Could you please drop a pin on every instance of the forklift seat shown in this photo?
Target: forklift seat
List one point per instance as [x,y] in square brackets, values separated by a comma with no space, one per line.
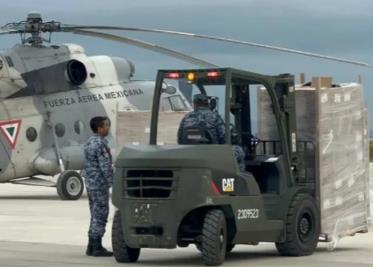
[195,135]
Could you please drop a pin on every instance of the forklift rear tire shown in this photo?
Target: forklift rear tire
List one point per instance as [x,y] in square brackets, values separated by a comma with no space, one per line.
[214,238]
[302,227]
[122,252]
[70,185]
[229,248]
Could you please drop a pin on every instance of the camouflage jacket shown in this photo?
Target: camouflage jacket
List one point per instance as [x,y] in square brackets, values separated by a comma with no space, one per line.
[98,170]
[204,118]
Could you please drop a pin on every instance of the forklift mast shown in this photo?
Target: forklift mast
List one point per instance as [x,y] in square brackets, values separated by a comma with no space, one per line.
[281,91]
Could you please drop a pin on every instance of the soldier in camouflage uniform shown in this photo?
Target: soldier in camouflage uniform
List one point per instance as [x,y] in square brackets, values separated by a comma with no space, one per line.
[202,116]
[98,174]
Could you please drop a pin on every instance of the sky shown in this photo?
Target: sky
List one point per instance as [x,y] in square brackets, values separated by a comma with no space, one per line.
[341,28]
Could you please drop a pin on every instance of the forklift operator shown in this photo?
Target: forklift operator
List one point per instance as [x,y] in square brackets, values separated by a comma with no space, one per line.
[210,123]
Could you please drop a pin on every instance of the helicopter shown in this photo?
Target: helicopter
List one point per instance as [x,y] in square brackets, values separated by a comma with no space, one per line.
[49,93]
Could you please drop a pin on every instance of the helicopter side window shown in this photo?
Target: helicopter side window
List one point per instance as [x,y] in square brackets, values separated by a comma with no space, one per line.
[79,127]
[60,130]
[31,134]
[76,72]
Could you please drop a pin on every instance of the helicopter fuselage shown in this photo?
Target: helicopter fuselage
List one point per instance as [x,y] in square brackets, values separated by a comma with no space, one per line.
[47,98]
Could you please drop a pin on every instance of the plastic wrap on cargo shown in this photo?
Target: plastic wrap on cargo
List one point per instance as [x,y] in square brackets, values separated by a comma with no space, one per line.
[335,119]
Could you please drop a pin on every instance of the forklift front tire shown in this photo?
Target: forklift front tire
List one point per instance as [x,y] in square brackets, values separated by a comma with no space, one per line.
[302,227]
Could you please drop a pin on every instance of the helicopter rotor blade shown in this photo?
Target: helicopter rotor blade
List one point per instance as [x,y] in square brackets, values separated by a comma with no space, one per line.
[148,46]
[221,39]
[8,31]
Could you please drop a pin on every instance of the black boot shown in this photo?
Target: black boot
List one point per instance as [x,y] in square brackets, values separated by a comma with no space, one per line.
[98,250]
[88,252]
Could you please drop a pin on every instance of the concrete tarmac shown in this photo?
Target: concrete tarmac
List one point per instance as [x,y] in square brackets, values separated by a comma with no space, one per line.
[39,230]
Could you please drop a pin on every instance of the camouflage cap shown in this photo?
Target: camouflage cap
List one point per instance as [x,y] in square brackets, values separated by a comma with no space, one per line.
[200,98]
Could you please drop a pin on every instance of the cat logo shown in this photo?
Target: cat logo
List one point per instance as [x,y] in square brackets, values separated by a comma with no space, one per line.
[228,185]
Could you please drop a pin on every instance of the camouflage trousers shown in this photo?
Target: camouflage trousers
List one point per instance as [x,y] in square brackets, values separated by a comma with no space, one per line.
[99,208]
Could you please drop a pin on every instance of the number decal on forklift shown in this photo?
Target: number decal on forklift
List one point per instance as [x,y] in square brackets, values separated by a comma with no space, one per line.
[248,214]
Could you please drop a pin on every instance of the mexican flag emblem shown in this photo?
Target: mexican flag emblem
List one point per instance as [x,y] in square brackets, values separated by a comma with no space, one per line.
[10,129]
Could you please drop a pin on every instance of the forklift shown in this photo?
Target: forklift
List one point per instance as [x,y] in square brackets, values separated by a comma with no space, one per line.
[174,195]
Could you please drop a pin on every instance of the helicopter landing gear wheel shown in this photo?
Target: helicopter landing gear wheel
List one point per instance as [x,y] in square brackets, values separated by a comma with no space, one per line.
[70,185]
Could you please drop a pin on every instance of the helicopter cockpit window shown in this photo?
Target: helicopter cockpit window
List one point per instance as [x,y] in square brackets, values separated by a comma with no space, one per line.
[31,134]
[76,72]
[60,130]
[177,103]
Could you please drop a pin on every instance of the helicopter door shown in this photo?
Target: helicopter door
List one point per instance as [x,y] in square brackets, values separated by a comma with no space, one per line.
[3,69]
[5,151]
[4,156]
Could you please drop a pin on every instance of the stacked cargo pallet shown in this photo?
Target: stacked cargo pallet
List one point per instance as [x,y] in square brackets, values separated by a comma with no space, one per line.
[334,117]
[134,127]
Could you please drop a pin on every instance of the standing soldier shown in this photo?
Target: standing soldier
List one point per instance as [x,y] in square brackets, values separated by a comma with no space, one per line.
[211,122]
[98,174]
